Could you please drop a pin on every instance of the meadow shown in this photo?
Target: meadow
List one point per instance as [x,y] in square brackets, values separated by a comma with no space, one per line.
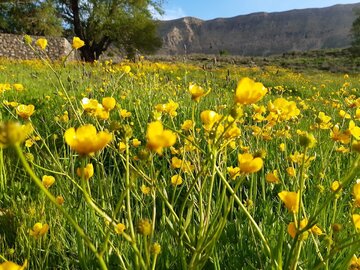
[177,166]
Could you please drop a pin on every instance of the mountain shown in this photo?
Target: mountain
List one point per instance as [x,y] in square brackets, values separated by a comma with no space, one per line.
[260,34]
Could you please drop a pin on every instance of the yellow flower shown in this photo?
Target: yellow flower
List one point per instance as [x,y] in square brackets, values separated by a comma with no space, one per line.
[272,177]
[356,220]
[306,139]
[354,130]
[122,146]
[136,142]
[291,200]
[344,114]
[88,171]
[196,92]
[323,121]
[39,230]
[8,265]
[356,194]
[357,114]
[356,146]
[125,113]
[89,105]
[282,147]
[282,109]
[120,228]
[233,172]
[144,227]
[108,103]
[176,180]
[145,189]
[42,43]
[12,133]
[248,91]
[25,111]
[157,138]
[86,140]
[335,186]
[48,180]
[292,229]
[77,43]
[209,118]
[60,200]
[176,162]
[18,87]
[249,164]
[354,263]
[126,69]
[187,125]
[156,248]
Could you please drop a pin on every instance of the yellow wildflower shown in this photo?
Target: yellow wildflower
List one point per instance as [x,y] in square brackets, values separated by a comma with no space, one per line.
[356,220]
[77,43]
[122,146]
[8,265]
[145,189]
[249,164]
[156,248]
[209,118]
[187,125]
[39,230]
[273,177]
[25,111]
[86,140]
[108,103]
[248,91]
[356,194]
[144,227]
[12,133]
[120,228]
[125,113]
[234,172]
[60,200]
[354,130]
[282,147]
[176,180]
[136,143]
[335,186]
[42,43]
[88,171]
[18,87]
[48,180]
[196,92]
[158,138]
[290,199]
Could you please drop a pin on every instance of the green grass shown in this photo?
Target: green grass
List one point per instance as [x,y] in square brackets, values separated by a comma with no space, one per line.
[200,223]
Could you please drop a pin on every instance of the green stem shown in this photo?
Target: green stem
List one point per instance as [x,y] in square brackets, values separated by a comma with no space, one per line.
[47,193]
[242,206]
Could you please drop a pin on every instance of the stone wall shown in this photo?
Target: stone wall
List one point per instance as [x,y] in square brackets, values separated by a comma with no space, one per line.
[13,46]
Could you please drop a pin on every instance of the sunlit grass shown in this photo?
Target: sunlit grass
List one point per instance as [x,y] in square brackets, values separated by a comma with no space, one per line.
[154,165]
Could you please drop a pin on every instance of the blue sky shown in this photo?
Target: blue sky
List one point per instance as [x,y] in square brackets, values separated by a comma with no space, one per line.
[210,9]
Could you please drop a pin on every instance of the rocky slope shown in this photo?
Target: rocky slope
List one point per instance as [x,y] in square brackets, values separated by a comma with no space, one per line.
[260,34]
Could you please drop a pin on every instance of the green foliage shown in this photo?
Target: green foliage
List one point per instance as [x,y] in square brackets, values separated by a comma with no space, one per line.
[126,24]
[30,17]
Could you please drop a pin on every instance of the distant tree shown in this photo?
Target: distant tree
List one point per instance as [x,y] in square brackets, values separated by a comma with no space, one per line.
[355,34]
[127,24]
[34,17]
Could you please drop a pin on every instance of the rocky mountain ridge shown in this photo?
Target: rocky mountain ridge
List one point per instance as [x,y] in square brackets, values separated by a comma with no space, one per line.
[260,34]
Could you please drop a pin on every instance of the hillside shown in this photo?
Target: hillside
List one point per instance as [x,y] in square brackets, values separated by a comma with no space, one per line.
[260,34]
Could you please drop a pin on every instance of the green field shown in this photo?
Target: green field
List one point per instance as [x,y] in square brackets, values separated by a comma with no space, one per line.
[192,172]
